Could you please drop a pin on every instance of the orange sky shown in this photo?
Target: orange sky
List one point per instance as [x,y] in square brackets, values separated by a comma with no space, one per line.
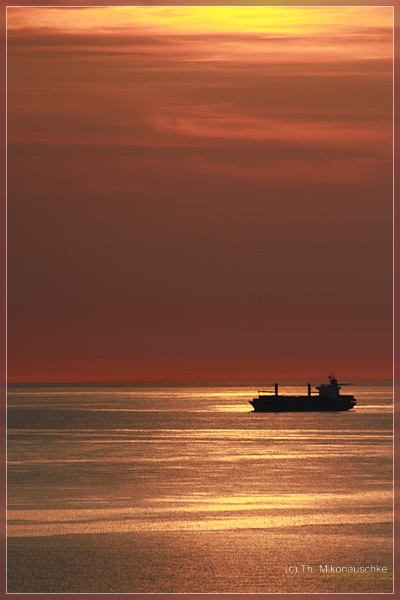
[199,193]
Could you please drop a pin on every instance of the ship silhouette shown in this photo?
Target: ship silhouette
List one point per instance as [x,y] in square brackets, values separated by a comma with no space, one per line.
[328,399]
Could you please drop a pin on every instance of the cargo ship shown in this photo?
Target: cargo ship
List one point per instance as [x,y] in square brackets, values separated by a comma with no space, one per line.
[328,399]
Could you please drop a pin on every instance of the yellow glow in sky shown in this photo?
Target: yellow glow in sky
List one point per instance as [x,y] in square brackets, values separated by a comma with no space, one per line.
[202,19]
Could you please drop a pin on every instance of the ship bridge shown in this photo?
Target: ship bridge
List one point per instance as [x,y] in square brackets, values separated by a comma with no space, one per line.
[329,390]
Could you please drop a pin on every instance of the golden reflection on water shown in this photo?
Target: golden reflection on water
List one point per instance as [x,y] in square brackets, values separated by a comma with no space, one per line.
[219,513]
[203,490]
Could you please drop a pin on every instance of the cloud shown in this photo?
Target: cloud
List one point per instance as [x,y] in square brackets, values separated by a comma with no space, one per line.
[257,129]
[216,34]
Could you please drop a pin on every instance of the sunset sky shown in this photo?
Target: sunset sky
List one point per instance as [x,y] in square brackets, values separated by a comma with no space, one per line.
[199,193]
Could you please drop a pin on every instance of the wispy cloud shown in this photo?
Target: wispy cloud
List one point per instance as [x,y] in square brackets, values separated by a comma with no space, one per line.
[205,33]
[244,128]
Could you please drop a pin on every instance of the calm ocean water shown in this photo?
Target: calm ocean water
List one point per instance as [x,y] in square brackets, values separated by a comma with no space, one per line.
[185,489]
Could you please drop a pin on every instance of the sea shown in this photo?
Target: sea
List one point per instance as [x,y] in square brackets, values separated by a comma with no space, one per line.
[184,489]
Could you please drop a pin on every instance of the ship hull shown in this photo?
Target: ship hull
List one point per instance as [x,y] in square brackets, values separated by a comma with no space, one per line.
[302,404]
